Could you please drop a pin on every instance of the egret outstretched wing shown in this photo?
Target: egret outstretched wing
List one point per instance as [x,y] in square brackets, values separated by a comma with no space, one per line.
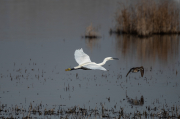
[81,57]
[94,66]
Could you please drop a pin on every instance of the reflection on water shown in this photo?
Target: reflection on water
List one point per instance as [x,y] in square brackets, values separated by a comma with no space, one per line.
[135,101]
[92,42]
[92,36]
[161,47]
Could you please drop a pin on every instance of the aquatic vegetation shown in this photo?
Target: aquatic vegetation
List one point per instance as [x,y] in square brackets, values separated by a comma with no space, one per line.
[148,17]
[91,32]
[101,111]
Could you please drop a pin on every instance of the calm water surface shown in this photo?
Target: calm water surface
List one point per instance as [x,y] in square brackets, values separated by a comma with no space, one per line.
[37,44]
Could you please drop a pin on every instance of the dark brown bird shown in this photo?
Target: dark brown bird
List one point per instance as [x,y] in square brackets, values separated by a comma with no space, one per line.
[136,69]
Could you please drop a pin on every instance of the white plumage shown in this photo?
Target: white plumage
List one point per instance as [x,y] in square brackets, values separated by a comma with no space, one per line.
[81,57]
[85,63]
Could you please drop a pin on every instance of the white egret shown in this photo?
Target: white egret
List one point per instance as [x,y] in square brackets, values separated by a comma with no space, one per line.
[85,63]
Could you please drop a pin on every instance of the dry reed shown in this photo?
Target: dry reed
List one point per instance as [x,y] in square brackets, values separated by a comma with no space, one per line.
[148,17]
[91,32]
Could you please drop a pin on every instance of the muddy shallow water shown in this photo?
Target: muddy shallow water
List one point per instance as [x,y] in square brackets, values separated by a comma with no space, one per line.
[37,44]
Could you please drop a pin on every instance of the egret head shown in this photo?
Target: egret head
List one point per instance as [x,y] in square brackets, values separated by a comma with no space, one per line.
[68,69]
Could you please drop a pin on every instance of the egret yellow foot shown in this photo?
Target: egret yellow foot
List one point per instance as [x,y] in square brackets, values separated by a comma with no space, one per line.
[69,69]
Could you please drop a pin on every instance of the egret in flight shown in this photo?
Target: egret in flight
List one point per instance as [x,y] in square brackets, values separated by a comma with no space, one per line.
[85,63]
[136,69]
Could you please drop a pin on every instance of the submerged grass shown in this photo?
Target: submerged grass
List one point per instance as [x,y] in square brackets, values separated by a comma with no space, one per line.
[148,17]
[77,112]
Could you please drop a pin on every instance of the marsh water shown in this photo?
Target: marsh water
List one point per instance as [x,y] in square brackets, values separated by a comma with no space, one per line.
[37,44]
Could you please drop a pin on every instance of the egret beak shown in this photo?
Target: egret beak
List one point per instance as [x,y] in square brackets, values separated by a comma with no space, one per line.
[68,69]
[115,58]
